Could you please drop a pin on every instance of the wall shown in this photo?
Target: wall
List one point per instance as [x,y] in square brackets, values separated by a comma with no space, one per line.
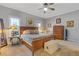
[7,13]
[72,32]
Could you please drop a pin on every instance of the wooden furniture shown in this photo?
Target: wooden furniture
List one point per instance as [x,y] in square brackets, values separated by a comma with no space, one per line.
[58,32]
[37,43]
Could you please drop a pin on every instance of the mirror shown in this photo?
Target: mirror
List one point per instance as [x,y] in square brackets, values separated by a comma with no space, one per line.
[3,41]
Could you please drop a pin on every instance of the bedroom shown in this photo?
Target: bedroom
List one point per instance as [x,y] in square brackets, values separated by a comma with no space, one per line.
[22,18]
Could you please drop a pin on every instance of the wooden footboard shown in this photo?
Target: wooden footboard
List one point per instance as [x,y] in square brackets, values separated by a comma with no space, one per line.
[26,44]
[37,43]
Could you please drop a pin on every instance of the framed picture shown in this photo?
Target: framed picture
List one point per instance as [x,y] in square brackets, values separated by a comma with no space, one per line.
[49,25]
[58,20]
[29,21]
[70,23]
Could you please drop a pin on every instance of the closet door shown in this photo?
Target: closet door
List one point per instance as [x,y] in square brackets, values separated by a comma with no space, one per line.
[2,34]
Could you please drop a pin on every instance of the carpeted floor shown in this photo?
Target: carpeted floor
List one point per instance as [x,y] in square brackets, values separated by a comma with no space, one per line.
[61,52]
[21,50]
[16,50]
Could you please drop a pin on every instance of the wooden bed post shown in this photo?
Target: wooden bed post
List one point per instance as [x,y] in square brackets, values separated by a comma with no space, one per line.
[32,52]
[32,49]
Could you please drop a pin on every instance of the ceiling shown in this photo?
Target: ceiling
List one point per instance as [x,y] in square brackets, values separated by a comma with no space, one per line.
[32,8]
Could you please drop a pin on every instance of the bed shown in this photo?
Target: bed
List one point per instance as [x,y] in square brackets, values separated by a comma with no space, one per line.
[35,41]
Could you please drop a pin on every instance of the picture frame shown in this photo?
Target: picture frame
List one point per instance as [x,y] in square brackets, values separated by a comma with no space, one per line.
[49,25]
[29,21]
[70,23]
[58,20]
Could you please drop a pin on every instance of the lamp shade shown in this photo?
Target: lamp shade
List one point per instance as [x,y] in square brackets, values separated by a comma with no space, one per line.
[13,27]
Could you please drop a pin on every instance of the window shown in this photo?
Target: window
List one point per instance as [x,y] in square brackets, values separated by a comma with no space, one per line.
[14,22]
[39,26]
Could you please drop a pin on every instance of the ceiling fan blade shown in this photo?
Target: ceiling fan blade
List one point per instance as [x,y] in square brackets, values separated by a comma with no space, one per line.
[51,8]
[50,3]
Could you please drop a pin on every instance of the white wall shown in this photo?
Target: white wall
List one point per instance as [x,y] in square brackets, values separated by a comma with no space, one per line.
[72,32]
[6,13]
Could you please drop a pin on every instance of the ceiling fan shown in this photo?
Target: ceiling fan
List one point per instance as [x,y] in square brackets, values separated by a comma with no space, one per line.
[46,6]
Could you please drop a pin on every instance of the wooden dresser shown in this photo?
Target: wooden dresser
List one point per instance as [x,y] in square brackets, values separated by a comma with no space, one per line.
[58,31]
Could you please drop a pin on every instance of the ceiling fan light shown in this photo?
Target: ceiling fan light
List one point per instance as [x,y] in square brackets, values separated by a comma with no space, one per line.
[45,9]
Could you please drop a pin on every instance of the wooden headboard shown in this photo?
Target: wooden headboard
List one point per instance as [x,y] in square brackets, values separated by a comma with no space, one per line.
[23,28]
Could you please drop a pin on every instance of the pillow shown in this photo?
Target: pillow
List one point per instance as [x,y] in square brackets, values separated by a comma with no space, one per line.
[33,31]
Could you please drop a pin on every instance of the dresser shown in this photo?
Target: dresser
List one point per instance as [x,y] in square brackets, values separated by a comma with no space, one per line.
[58,31]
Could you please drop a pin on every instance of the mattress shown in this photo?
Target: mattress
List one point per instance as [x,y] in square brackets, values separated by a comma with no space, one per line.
[27,39]
[30,37]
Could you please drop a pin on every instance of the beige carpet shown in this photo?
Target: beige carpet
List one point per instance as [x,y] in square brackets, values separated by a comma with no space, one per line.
[16,50]
[61,52]
[21,50]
